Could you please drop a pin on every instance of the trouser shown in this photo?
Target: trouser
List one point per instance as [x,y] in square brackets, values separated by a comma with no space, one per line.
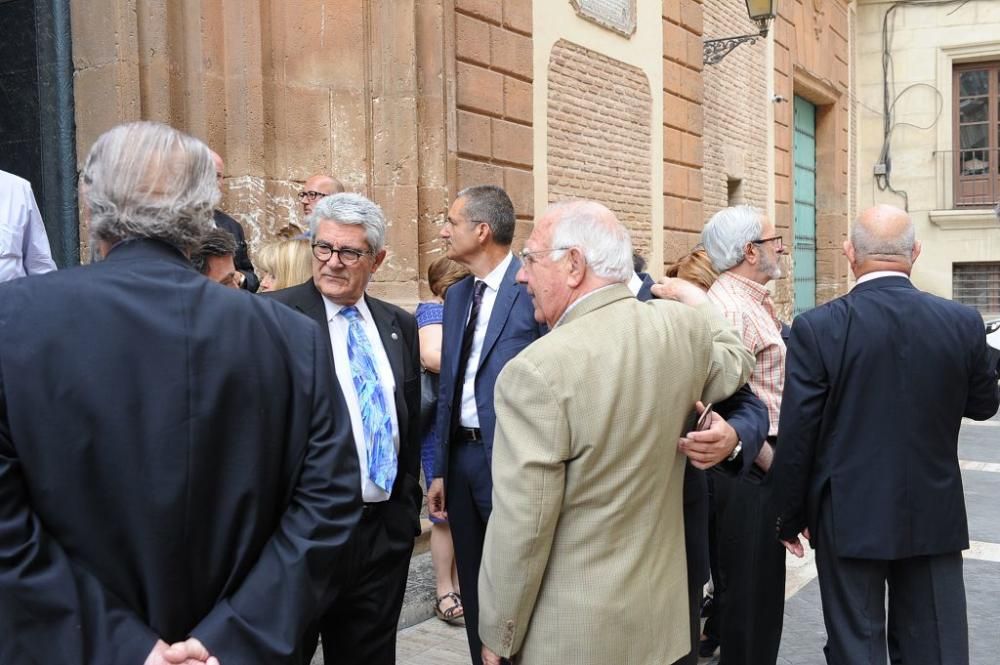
[359,628]
[927,612]
[469,502]
[751,573]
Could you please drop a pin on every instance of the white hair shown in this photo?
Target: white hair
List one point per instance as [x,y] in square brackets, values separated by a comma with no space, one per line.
[148,180]
[728,232]
[866,244]
[584,224]
[351,208]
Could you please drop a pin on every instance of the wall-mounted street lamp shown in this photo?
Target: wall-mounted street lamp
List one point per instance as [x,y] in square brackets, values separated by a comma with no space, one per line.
[761,12]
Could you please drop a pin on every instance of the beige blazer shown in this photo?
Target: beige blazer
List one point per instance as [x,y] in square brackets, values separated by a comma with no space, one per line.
[584,554]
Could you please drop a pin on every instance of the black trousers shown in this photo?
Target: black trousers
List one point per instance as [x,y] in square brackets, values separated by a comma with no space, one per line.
[469,500]
[359,627]
[751,573]
[927,613]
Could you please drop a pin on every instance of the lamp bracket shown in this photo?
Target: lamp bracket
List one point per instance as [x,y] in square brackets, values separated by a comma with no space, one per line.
[714,50]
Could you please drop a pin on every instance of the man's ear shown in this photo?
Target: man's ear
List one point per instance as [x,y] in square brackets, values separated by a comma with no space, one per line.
[577,266]
[483,233]
[916,252]
[377,261]
[849,251]
[750,253]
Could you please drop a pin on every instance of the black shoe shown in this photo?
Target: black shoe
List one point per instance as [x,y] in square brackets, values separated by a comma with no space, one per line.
[706,607]
[707,647]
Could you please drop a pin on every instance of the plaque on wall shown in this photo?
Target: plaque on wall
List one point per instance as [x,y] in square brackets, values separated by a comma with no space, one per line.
[615,15]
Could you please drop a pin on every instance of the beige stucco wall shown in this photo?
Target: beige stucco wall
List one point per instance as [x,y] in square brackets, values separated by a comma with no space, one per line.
[926,43]
[557,20]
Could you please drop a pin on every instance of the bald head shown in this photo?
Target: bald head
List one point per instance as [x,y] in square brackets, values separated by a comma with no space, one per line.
[316,188]
[220,167]
[882,238]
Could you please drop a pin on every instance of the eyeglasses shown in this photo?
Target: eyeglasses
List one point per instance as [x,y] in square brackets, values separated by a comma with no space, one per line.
[312,196]
[347,256]
[528,258]
[761,241]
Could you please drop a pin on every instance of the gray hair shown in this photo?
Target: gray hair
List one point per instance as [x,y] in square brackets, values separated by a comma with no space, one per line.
[148,180]
[867,244]
[351,209]
[217,242]
[606,246]
[491,205]
[728,232]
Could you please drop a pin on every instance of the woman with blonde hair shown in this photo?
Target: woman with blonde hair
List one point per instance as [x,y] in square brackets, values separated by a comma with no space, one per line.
[284,263]
[441,274]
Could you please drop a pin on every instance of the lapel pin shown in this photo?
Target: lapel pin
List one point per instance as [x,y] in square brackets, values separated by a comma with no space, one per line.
[394,336]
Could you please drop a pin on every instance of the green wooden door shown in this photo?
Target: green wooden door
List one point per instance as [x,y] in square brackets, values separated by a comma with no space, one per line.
[804,211]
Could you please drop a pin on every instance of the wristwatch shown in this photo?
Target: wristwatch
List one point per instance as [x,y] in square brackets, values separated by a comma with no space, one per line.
[736,452]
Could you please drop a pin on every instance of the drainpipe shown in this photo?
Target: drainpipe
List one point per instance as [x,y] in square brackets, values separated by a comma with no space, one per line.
[58,129]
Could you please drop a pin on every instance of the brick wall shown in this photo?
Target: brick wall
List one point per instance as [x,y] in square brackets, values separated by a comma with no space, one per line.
[493,52]
[683,126]
[599,135]
[735,113]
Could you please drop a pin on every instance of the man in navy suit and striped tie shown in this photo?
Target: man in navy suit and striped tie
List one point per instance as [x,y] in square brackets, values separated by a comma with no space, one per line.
[488,319]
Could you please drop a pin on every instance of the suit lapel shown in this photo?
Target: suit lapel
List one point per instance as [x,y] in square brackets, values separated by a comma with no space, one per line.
[501,308]
[458,300]
[309,301]
[391,336]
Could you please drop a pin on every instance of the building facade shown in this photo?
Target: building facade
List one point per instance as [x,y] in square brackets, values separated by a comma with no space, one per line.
[929,90]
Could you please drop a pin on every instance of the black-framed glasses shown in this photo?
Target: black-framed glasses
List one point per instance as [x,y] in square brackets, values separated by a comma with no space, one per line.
[310,195]
[761,241]
[527,257]
[347,255]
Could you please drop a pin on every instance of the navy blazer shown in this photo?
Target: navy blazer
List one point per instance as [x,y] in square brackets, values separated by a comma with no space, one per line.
[746,414]
[175,460]
[397,330]
[511,327]
[876,385]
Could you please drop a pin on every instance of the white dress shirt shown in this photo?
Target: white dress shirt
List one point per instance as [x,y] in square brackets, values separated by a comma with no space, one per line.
[468,414]
[867,277]
[24,247]
[635,284]
[339,325]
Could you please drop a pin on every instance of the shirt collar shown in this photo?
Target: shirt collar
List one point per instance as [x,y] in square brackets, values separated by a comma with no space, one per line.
[635,284]
[495,278]
[756,291]
[867,277]
[333,309]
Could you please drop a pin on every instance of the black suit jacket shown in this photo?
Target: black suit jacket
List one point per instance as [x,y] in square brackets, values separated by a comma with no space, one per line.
[158,478]
[242,258]
[876,385]
[398,332]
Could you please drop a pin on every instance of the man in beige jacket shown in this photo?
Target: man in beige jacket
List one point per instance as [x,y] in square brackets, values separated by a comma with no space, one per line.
[584,554]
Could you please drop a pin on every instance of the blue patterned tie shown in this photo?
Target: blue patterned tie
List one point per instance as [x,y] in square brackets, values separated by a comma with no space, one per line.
[375,418]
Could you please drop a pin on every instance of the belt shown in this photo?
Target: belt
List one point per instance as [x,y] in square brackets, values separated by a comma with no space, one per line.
[468,435]
[371,510]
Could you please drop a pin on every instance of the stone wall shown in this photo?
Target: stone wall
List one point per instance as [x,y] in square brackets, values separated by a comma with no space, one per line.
[599,135]
[683,126]
[493,51]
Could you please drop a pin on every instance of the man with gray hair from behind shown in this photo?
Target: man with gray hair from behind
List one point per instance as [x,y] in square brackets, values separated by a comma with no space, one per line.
[867,469]
[160,482]
[587,488]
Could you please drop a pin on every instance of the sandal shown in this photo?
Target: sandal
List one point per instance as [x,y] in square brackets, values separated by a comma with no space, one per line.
[452,614]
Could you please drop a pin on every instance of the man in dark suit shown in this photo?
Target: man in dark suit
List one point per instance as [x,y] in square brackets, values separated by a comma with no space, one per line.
[374,352]
[160,481]
[877,384]
[246,277]
[488,319]
[741,418]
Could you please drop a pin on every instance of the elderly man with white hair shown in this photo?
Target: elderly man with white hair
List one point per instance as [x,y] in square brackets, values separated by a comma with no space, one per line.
[745,248]
[584,554]
[160,482]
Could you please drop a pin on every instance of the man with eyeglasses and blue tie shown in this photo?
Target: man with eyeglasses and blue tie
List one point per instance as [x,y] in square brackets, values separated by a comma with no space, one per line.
[488,319]
[375,357]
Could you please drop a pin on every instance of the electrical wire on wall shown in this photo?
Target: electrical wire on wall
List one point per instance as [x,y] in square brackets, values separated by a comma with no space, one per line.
[883,167]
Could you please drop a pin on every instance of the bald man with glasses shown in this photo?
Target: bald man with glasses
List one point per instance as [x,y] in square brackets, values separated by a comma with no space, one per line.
[315,189]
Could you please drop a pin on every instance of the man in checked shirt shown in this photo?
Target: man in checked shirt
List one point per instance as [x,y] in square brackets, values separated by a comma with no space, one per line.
[744,247]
